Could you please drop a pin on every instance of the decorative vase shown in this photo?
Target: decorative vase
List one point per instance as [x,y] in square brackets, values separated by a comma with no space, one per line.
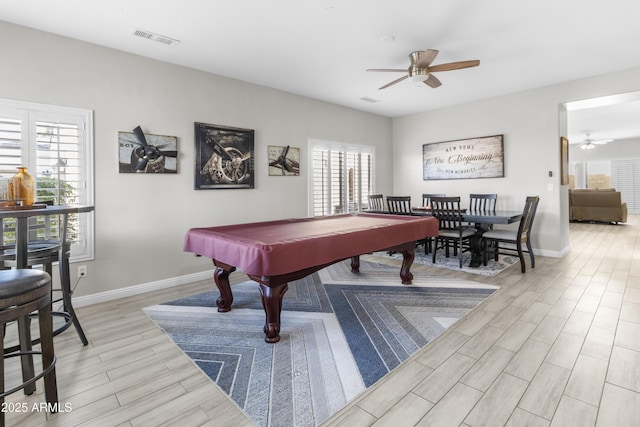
[23,187]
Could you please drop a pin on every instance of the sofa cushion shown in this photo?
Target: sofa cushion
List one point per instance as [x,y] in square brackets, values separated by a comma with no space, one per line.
[602,199]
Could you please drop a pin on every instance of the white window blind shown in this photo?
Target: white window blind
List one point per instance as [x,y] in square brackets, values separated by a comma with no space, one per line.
[55,144]
[341,178]
[625,177]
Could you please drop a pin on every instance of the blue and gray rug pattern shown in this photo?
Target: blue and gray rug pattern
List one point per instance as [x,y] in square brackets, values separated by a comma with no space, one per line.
[453,263]
[341,332]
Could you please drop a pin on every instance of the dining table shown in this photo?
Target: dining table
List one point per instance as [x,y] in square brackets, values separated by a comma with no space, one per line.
[483,220]
[22,214]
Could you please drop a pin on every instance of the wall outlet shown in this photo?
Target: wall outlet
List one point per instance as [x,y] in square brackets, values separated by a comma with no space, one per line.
[82,271]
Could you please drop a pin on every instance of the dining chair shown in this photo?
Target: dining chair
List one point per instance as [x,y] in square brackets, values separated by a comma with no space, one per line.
[426,202]
[491,239]
[451,230]
[426,198]
[399,205]
[482,202]
[376,202]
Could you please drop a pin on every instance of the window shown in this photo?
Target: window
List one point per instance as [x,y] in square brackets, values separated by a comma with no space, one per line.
[341,179]
[56,145]
[625,177]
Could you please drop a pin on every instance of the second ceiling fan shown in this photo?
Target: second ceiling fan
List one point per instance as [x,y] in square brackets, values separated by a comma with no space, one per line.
[590,144]
[421,69]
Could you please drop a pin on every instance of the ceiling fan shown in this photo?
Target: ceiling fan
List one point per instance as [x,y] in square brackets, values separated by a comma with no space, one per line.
[590,144]
[420,69]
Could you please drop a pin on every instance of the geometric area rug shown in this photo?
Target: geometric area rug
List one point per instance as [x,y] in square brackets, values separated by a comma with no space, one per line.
[453,263]
[340,333]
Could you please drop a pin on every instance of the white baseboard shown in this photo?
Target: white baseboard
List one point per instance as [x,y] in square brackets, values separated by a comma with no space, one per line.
[196,277]
[82,301]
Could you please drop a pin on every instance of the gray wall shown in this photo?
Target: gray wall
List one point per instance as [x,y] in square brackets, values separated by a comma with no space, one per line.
[615,150]
[532,122]
[141,219]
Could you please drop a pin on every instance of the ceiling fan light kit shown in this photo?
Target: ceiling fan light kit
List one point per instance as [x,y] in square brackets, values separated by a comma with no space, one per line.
[418,78]
[590,144]
[420,70]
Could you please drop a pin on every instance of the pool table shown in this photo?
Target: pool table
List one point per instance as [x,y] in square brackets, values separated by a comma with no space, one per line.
[273,253]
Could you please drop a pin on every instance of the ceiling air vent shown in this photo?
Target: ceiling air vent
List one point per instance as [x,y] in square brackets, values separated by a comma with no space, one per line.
[156,37]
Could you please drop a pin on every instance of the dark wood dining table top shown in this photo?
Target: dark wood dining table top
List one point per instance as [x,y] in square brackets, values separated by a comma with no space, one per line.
[492,217]
[480,217]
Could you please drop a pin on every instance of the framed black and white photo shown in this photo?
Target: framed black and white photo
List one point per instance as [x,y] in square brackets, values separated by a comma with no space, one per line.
[155,154]
[224,157]
[284,161]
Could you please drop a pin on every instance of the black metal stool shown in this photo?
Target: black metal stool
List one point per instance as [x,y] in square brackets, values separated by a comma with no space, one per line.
[21,293]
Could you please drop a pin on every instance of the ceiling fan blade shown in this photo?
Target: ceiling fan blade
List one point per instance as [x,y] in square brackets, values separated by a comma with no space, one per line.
[387,70]
[432,81]
[394,82]
[602,141]
[426,58]
[454,66]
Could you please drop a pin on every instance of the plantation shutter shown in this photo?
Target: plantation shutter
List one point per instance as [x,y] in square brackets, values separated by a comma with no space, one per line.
[625,177]
[342,178]
[10,145]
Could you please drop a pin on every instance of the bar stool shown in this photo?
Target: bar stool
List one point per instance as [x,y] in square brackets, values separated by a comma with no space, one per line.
[22,292]
[45,253]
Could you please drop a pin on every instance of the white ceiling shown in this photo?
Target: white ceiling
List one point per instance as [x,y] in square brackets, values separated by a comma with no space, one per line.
[614,117]
[321,48]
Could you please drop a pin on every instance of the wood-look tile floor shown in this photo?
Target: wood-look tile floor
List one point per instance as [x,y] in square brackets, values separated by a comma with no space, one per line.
[557,346]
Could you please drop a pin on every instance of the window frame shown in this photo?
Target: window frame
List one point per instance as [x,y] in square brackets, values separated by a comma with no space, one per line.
[345,148]
[29,113]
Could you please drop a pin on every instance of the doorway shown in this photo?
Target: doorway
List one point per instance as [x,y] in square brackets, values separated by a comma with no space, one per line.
[604,145]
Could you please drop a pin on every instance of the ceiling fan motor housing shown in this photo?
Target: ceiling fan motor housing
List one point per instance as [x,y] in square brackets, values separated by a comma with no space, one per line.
[417,71]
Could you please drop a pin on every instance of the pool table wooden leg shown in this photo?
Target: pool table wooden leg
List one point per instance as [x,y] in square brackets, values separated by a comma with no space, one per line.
[408,254]
[407,259]
[355,264]
[221,277]
[272,303]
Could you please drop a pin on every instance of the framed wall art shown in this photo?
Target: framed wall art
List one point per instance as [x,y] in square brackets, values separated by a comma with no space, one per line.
[564,161]
[464,159]
[224,157]
[140,153]
[284,161]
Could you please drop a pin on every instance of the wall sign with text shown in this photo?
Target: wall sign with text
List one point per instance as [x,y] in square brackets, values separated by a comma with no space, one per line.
[464,159]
